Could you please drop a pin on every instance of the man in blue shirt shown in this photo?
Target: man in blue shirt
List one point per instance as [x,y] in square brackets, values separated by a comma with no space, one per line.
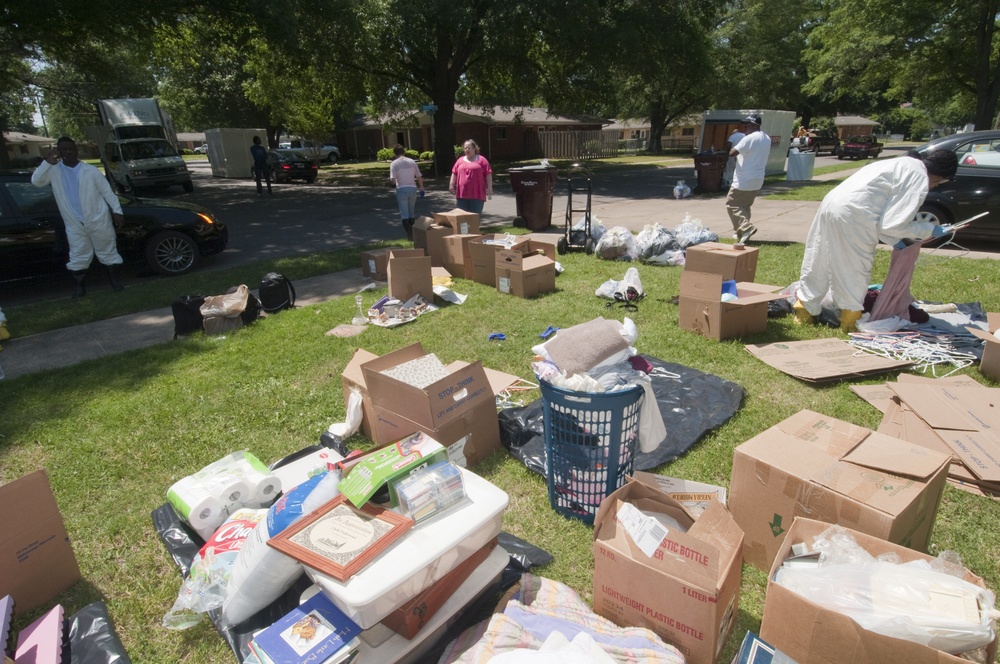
[260,166]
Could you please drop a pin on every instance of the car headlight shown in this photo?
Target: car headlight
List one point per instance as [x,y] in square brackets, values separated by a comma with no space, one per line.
[206,219]
[182,167]
[136,171]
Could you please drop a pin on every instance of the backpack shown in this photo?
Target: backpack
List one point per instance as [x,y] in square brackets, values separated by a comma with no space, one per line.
[187,314]
[276,293]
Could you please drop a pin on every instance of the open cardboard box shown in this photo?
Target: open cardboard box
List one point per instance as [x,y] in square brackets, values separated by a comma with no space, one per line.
[409,273]
[456,257]
[702,310]
[420,228]
[817,466]
[990,364]
[458,411]
[811,634]
[374,263]
[687,590]
[36,558]
[525,272]
[483,258]
[727,260]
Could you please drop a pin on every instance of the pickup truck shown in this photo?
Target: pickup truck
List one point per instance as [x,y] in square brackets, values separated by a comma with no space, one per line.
[326,152]
[860,147]
[817,141]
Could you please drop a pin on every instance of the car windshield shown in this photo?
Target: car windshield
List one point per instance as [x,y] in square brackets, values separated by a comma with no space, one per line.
[292,156]
[147,150]
[856,139]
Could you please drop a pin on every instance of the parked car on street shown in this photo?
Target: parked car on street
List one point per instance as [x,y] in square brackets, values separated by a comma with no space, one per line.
[860,147]
[288,165]
[202,149]
[169,236]
[817,141]
[975,188]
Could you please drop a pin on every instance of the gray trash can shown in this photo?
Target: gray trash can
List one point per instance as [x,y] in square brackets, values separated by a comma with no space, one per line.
[800,166]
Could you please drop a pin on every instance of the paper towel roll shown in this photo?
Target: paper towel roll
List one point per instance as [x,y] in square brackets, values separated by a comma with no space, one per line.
[263,488]
[198,504]
[234,492]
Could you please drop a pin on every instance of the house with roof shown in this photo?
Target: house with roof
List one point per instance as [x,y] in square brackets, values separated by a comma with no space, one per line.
[680,134]
[853,125]
[27,148]
[502,133]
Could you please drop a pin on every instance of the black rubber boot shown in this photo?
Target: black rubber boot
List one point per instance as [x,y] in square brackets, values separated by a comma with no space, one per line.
[113,277]
[408,227]
[79,290]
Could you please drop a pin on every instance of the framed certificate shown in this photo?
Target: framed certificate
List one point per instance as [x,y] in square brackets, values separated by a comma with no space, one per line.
[339,539]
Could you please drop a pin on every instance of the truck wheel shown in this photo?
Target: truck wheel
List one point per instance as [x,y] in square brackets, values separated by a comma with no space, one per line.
[332,158]
[188,187]
[171,253]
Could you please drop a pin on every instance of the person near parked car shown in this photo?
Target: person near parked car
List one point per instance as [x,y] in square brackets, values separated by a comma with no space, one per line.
[734,138]
[261,169]
[877,203]
[751,159]
[471,179]
[405,175]
[90,210]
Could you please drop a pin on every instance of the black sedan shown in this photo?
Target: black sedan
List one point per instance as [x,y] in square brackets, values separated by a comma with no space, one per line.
[287,165]
[169,236]
[975,189]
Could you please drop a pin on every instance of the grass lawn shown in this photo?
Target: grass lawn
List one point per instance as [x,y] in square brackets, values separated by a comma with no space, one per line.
[114,434]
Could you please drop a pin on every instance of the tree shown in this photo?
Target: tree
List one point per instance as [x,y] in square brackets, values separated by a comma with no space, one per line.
[414,52]
[924,50]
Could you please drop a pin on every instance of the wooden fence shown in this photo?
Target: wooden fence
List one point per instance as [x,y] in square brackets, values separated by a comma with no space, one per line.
[592,144]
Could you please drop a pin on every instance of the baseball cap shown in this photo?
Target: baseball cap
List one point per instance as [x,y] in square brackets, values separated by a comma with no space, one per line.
[753,118]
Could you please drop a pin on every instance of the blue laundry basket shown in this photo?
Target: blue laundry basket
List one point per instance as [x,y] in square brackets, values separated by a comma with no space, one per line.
[590,443]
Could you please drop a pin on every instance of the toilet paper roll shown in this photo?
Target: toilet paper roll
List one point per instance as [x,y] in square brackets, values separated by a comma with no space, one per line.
[198,504]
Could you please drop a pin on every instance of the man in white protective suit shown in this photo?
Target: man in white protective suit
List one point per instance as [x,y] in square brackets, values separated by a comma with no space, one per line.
[88,206]
[876,204]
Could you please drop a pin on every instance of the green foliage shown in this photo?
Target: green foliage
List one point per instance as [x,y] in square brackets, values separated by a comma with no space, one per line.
[427,156]
[910,122]
[385,154]
[412,154]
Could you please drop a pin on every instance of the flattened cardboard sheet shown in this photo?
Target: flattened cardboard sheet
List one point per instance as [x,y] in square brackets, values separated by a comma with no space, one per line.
[818,360]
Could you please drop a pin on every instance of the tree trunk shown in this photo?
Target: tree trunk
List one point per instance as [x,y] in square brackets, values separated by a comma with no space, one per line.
[657,125]
[444,137]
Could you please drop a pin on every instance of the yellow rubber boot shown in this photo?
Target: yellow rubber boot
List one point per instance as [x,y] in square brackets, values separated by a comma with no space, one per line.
[802,317]
[849,320]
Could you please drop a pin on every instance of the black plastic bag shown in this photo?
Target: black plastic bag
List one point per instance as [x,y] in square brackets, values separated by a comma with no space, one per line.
[92,638]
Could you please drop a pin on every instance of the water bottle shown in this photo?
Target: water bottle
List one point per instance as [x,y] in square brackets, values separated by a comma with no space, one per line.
[421,193]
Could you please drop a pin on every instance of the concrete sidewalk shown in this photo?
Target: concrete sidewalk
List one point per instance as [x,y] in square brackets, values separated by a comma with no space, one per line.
[777,221]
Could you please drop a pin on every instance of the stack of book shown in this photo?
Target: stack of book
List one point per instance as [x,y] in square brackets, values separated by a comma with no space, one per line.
[316,631]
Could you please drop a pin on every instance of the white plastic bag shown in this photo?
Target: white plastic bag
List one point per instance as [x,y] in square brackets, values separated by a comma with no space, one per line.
[228,305]
[260,574]
[352,421]
[617,244]
[682,190]
[204,588]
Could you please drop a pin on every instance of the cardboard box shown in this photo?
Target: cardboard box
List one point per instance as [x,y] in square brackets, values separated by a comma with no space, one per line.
[36,558]
[420,227]
[436,249]
[365,476]
[483,259]
[353,377]
[410,618]
[990,364]
[687,590]
[459,221]
[830,470]
[409,273]
[722,259]
[469,438]
[525,273]
[702,310]
[457,259]
[811,634]
[374,263]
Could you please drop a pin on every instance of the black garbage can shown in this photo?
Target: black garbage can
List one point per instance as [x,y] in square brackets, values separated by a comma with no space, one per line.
[710,166]
[533,189]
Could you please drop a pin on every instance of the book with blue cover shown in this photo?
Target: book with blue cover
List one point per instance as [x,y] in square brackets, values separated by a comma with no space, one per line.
[756,650]
[315,631]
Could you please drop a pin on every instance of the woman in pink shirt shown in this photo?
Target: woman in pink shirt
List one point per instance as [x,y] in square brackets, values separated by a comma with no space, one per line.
[471,179]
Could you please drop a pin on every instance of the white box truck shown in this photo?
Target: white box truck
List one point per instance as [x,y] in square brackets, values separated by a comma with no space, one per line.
[138,146]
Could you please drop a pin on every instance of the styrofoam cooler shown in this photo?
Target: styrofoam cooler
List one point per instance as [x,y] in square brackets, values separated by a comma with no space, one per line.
[380,644]
[427,552]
